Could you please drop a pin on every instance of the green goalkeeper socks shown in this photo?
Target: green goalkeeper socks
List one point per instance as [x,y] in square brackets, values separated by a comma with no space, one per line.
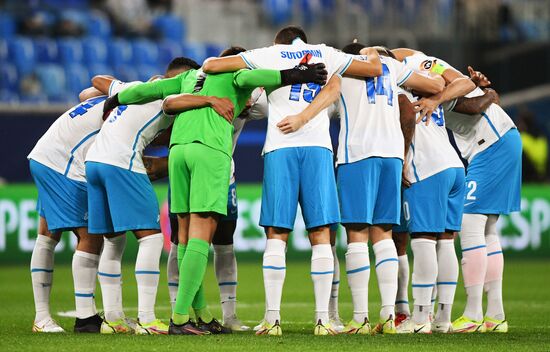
[192,269]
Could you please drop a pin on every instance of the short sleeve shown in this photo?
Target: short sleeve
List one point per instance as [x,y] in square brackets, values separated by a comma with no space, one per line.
[257,58]
[118,86]
[338,61]
[402,72]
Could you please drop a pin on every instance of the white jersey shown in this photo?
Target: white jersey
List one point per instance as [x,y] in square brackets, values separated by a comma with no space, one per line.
[430,151]
[291,100]
[64,146]
[474,134]
[369,115]
[127,131]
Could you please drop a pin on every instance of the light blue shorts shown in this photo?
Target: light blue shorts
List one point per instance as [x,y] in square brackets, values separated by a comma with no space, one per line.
[435,204]
[120,200]
[299,175]
[63,202]
[493,178]
[370,191]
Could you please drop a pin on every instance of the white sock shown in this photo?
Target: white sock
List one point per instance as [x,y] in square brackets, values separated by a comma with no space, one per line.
[110,277]
[42,261]
[447,277]
[173,273]
[402,301]
[423,277]
[495,270]
[225,265]
[358,274]
[333,303]
[84,276]
[474,262]
[274,270]
[147,275]
[387,264]
[322,272]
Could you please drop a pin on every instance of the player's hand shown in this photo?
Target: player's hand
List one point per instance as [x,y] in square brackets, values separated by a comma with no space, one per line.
[305,73]
[291,123]
[111,103]
[425,108]
[404,180]
[493,94]
[478,78]
[224,108]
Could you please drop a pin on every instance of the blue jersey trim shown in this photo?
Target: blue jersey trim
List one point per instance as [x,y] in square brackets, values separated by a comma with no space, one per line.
[322,272]
[246,61]
[335,282]
[472,248]
[386,260]
[148,272]
[494,253]
[413,165]
[40,270]
[345,67]
[491,124]
[228,283]
[422,285]
[447,283]
[82,141]
[108,275]
[347,128]
[274,267]
[353,271]
[401,302]
[137,138]
[83,294]
[406,78]
[173,284]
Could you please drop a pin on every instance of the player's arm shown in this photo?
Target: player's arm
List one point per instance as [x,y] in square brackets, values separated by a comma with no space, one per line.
[458,85]
[224,64]
[328,95]
[303,73]
[476,105]
[157,168]
[431,84]
[89,93]
[103,83]
[402,53]
[371,67]
[182,102]
[408,125]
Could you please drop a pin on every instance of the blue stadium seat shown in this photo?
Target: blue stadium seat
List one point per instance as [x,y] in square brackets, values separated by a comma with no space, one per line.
[100,69]
[171,27]
[94,51]
[77,78]
[145,52]
[168,50]
[4,53]
[8,97]
[46,50]
[70,51]
[214,49]
[21,53]
[52,78]
[33,99]
[119,52]
[195,51]
[126,73]
[7,25]
[278,11]
[98,25]
[147,71]
[8,77]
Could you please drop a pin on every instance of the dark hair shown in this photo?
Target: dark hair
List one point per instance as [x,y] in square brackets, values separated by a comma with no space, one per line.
[232,50]
[182,62]
[353,48]
[287,35]
[384,51]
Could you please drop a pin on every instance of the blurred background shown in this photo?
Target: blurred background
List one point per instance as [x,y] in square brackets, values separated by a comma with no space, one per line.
[49,50]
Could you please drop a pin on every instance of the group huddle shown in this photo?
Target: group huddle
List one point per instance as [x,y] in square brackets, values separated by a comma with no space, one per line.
[424,152]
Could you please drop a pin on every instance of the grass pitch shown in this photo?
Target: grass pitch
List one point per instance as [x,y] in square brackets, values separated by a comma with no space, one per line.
[527,304]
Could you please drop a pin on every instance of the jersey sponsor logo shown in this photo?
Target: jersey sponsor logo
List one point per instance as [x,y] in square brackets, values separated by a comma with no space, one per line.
[426,65]
[299,54]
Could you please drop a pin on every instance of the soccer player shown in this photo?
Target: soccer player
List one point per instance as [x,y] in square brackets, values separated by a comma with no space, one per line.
[433,203]
[297,166]
[57,167]
[370,161]
[200,161]
[488,139]
[121,198]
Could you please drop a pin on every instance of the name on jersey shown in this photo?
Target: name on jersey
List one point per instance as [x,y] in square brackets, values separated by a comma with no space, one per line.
[300,54]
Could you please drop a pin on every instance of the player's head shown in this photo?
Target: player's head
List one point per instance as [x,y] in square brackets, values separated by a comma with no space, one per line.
[287,35]
[354,49]
[233,50]
[179,65]
[382,50]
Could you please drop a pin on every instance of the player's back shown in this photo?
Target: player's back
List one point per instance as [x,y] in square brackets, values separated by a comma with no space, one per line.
[369,113]
[64,146]
[473,134]
[126,132]
[291,100]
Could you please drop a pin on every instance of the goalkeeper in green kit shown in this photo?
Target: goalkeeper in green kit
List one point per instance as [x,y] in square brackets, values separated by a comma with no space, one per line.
[200,164]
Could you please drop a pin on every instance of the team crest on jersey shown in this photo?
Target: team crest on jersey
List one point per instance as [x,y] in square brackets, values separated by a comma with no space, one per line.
[427,65]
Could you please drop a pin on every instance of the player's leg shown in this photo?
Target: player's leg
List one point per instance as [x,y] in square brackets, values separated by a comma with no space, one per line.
[42,262]
[279,206]
[333,312]
[318,199]
[495,320]
[172,267]
[400,236]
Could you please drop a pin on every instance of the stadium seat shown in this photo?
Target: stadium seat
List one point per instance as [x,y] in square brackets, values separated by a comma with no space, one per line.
[52,79]
[77,78]
[21,53]
[4,53]
[168,49]
[98,26]
[7,26]
[171,27]
[100,69]
[145,52]
[70,51]
[126,73]
[214,49]
[119,52]
[94,51]
[147,71]
[278,11]
[195,51]
[8,97]
[8,77]
[46,50]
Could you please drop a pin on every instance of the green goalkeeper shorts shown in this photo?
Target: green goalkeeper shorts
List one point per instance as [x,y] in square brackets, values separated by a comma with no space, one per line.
[199,179]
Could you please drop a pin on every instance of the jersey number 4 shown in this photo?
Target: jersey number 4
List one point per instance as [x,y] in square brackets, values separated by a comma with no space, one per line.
[380,85]
[85,106]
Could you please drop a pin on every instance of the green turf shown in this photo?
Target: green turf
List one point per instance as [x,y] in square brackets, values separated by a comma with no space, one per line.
[527,303]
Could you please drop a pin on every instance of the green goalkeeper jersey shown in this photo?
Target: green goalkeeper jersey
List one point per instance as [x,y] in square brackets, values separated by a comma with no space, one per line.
[204,125]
